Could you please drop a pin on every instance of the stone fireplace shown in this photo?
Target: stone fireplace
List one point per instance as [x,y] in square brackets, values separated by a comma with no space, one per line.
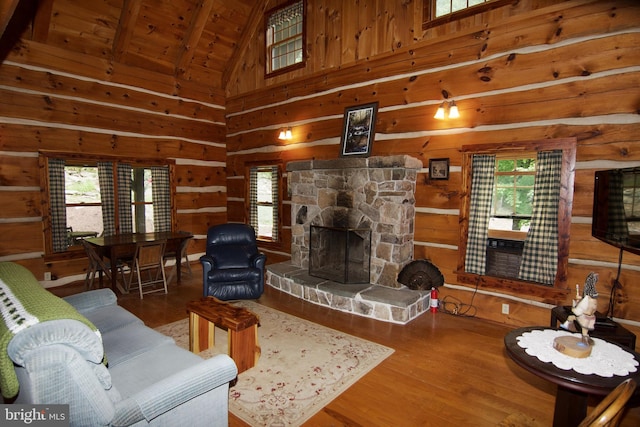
[375,193]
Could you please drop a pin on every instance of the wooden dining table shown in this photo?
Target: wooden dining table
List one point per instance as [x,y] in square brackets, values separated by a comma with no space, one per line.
[573,388]
[123,246]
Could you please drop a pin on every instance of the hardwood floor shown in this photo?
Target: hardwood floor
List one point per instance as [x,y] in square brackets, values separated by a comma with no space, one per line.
[445,370]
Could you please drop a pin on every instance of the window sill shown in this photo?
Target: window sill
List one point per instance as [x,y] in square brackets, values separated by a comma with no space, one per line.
[284,70]
[267,242]
[70,254]
[509,235]
[519,288]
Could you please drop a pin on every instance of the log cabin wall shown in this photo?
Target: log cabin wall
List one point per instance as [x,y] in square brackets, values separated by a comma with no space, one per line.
[98,101]
[526,71]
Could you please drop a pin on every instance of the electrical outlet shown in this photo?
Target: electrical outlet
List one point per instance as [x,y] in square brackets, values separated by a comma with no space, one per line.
[505,308]
[47,275]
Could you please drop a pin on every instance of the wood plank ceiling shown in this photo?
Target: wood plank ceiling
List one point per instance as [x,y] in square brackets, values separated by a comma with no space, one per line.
[189,39]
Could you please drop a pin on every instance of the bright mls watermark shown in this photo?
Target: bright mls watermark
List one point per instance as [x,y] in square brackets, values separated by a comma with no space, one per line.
[34,415]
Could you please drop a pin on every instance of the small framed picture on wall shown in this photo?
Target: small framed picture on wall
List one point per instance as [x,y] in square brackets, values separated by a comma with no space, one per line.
[439,168]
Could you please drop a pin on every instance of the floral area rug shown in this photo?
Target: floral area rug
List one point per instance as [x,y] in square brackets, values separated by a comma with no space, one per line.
[303,366]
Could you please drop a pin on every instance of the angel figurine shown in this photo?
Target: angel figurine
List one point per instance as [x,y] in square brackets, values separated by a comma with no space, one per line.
[585,310]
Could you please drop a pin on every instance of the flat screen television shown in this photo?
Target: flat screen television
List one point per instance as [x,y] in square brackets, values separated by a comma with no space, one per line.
[616,208]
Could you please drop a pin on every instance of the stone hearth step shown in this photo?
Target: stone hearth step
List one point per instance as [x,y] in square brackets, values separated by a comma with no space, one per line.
[396,305]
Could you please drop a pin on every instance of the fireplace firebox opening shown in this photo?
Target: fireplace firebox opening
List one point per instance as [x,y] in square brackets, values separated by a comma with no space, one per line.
[340,254]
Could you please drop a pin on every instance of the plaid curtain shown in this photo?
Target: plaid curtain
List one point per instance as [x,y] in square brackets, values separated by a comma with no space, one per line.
[274,199]
[253,198]
[540,253]
[482,174]
[125,216]
[161,193]
[58,205]
[105,180]
[618,230]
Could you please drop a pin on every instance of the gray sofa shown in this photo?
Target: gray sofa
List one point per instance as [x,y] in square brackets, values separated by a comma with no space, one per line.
[105,363]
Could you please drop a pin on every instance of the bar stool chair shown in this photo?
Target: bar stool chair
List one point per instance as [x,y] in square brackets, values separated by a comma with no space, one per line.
[148,268]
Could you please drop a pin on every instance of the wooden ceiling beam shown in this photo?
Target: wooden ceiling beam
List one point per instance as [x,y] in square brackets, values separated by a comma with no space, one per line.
[199,19]
[6,12]
[252,25]
[42,21]
[124,33]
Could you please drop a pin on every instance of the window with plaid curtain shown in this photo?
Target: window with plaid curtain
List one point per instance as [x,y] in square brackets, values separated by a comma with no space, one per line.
[482,177]
[253,198]
[161,193]
[264,201]
[57,205]
[540,254]
[109,189]
[125,217]
[107,195]
[539,225]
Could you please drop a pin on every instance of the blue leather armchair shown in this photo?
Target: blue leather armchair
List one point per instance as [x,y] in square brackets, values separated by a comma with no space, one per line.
[232,267]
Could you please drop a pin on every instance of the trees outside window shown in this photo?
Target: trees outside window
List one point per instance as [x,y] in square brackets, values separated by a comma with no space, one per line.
[513,194]
[82,197]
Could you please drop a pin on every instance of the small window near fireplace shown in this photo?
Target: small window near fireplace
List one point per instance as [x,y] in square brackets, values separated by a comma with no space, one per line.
[340,254]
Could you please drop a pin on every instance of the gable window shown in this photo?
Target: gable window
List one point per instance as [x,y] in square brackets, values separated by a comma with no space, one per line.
[263,196]
[89,198]
[285,38]
[446,7]
[516,214]
[437,12]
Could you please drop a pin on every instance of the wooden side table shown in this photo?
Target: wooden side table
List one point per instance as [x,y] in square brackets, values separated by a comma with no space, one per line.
[605,328]
[574,389]
[241,324]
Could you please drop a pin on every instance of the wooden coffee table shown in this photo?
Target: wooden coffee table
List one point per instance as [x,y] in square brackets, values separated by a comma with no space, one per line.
[241,324]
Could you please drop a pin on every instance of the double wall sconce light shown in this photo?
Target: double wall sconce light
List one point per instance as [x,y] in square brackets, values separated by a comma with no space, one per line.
[453,111]
[285,134]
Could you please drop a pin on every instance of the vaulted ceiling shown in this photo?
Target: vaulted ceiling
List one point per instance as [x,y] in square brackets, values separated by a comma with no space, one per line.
[197,40]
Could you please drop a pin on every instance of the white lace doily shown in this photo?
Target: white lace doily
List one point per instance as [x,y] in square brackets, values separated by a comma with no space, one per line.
[605,360]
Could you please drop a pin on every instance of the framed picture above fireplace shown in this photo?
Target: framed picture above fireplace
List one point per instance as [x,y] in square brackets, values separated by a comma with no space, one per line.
[359,130]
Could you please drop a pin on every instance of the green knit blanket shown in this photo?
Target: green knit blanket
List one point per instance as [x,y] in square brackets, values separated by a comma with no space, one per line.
[24,303]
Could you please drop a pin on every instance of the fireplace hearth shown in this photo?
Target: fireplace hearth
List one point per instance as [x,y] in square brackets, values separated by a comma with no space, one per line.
[340,254]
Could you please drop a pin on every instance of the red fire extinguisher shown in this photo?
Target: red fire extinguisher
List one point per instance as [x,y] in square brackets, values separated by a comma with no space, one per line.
[433,305]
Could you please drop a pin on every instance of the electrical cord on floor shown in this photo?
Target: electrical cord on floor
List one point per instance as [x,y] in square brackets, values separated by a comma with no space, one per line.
[455,307]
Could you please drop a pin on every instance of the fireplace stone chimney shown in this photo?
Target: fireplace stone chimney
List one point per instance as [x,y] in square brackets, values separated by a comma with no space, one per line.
[376,193]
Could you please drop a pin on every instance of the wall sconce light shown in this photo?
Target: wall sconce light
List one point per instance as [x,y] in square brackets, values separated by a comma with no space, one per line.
[453,111]
[285,134]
